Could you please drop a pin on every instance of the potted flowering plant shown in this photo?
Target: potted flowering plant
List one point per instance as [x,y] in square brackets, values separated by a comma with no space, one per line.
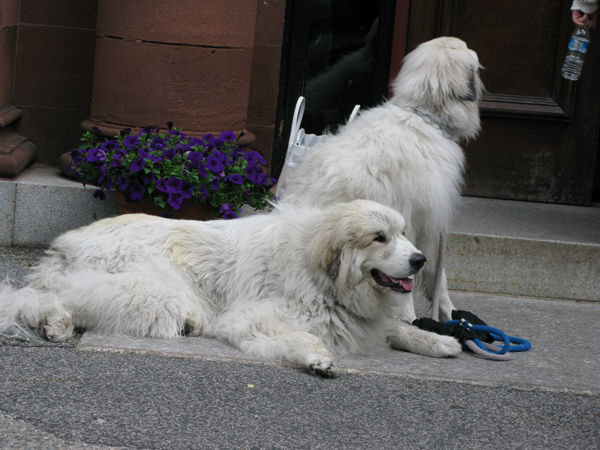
[172,168]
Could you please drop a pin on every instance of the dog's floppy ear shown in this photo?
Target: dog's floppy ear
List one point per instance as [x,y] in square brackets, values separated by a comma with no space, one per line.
[328,248]
[325,249]
[334,268]
[334,245]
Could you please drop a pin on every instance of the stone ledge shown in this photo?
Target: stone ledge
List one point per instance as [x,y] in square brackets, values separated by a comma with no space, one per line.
[40,204]
[526,267]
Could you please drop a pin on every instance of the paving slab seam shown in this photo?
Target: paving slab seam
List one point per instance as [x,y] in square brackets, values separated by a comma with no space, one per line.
[525,239]
[484,383]
[495,295]
[342,369]
[137,351]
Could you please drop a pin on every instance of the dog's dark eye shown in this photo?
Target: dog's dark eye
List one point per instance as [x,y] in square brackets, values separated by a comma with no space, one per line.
[380,238]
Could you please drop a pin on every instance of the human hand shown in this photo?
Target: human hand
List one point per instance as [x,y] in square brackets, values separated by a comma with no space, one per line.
[581,20]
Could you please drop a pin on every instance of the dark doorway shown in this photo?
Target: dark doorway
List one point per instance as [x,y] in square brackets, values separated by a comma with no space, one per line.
[336,54]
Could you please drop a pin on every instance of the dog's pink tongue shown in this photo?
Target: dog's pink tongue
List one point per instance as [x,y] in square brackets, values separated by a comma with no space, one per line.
[407,284]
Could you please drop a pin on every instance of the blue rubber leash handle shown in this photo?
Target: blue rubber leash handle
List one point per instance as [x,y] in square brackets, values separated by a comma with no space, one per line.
[498,335]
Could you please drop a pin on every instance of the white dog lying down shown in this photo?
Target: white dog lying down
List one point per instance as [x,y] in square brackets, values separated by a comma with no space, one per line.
[404,153]
[296,284]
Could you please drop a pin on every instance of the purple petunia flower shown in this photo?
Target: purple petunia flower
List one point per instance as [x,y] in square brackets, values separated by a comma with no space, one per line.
[155,158]
[254,157]
[102,172]
[135,192]
[97,131]
[157,143]
[96,155]
[195,142]
[212,141]
[182,148]
[203,192]
[174,185]
[137,164]
[216,143]
[227,212]
[98,193]
[131,141]
[202,171]
[76,155]
[187,189]
[177,133]
[214,184]
[230,215]
[175,200]
[125,132]
[235,155]
[170,153]
[147,130]
[110,146]
[147,178]
[255,174]
[236,178]
[115,163]
[170,125]
[195,157]
[161,185]
[228,136]
[122,183]
[216,161]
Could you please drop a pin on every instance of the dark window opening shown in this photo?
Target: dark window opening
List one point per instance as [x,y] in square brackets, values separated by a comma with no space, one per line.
[337,55]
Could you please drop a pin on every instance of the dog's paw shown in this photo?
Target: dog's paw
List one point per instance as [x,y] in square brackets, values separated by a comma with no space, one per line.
[445,347]
[193,327]
[412,339]
[58,328]
[324,367]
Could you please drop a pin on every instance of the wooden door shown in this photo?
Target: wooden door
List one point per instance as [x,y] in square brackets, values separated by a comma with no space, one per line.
[539,138]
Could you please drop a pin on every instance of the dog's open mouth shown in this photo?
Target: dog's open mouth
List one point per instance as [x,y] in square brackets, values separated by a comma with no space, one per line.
[402,285]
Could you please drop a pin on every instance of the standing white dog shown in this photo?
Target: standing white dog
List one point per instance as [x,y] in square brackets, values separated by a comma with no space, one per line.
[405,153]
[296,284]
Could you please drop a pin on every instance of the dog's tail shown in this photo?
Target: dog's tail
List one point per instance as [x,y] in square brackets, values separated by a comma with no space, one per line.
[21,309]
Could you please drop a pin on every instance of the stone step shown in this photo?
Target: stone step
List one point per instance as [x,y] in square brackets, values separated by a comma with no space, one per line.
[525,248]
[496,246]
[40,204]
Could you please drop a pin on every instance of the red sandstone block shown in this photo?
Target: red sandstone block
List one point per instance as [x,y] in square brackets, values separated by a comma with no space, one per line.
[264,85]
[8,47]
[222,23]
[141,84]
[269,22]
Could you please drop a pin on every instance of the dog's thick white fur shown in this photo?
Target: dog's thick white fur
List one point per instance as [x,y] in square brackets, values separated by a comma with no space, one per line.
[299,284]
[405,153]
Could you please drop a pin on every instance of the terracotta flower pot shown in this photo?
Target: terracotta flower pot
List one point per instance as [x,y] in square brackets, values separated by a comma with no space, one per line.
[188,211]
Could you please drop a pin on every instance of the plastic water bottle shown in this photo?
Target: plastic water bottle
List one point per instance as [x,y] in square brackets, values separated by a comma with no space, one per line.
[578,45]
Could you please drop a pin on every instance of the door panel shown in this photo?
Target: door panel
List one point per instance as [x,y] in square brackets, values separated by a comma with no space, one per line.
[539,136]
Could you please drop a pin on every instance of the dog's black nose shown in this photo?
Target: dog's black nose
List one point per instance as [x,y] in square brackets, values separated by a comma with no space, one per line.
[417,260]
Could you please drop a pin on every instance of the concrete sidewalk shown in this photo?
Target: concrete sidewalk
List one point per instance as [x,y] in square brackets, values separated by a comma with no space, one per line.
[564,355]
